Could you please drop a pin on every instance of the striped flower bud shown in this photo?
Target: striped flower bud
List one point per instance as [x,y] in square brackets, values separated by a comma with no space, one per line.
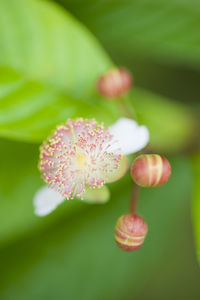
[130,232]
[114,83]
[150,170]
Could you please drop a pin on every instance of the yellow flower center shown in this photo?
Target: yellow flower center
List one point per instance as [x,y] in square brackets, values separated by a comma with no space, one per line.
[81,160]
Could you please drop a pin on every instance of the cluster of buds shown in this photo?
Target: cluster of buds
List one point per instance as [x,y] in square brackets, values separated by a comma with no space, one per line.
[149,170]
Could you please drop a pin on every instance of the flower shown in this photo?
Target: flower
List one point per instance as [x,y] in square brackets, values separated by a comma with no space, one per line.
[66,158]
[78,155]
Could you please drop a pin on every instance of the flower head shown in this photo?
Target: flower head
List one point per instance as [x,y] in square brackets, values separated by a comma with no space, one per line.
[78,154]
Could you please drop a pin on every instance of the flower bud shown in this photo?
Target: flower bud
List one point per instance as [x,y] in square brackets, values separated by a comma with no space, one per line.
[150,170]
[114,83]
[130,232]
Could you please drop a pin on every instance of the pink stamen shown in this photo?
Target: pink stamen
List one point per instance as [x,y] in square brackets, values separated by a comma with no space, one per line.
[77,155]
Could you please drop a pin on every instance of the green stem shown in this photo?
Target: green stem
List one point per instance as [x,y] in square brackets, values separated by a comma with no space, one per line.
[134,199]
[125,107]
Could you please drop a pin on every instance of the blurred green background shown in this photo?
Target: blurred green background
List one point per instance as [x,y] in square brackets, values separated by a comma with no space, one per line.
[49,63]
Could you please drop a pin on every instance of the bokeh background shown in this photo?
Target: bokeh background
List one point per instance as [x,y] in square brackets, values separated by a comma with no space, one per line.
[71,253]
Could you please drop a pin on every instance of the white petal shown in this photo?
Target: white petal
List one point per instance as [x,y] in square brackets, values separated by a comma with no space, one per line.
[46,200]
[130,136]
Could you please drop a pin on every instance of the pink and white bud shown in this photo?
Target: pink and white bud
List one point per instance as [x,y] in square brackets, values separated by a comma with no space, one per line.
[150,170]
[78,155]
[130,232]
[115,83]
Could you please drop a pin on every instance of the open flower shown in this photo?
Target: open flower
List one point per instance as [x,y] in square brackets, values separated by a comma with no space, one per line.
[82,153]
[78,155]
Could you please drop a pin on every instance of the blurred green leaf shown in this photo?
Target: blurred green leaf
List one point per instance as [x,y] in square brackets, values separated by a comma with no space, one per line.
[19,180]
[49,64]
[46,44]
[76,258]
[168,30]
[172,125]
[196,204]
[30,110]
[51,61]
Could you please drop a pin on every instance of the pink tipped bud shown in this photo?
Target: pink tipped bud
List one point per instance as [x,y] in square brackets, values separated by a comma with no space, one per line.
[130,232]
[115,83]
[150,170]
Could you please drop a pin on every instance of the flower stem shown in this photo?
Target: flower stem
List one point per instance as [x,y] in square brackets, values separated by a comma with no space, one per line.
[134,198]
[124,107]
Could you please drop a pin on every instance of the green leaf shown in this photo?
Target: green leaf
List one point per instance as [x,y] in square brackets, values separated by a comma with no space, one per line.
[157,28]
[49,64]
[29,110]
[196,204]
[45,43]
[19,180]
[172,125]
[80,251]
